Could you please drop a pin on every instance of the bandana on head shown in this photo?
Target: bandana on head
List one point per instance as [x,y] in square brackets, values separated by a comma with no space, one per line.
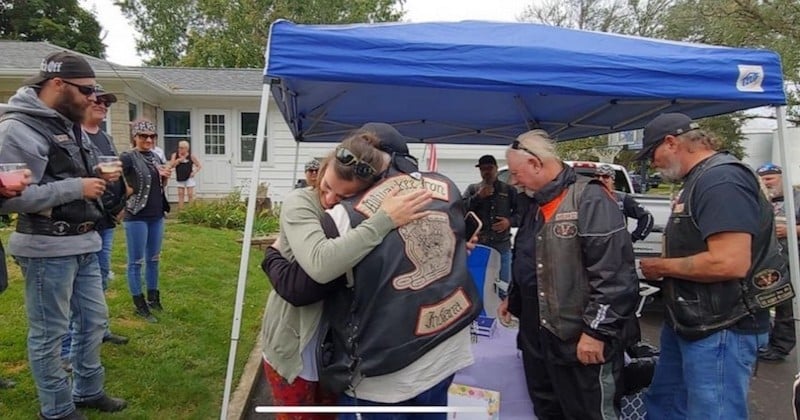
[142,126]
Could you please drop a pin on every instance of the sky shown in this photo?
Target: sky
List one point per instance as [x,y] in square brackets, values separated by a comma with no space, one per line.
[119,36]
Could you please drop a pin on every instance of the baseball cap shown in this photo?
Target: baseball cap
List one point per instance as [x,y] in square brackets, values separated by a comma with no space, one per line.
[311,165]
[604,170]
[486,160]
[101,94]
[769,169]
[392,142]
[670,124]
[63,64]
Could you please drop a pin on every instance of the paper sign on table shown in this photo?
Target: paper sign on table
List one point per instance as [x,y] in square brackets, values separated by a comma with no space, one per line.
[469,396]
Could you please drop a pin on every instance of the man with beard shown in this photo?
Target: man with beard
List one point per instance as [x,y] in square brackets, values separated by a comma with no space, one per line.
[573,286]
[719,241]
[55,242]
[782,335]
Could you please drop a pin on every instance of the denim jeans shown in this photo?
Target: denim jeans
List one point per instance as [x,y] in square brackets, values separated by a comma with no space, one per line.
[57,290]
[435,396]
[705,379]
[505,270]
[104,259]
[144,248]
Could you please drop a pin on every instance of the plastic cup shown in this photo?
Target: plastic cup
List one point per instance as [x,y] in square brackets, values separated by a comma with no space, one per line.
[12,175]
[109,164]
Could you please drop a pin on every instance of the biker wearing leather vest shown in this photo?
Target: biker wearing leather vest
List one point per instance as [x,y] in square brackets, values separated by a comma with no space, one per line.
[407,298]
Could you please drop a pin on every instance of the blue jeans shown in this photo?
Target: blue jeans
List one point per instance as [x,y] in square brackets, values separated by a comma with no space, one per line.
[104,259]
[144,248]
[57,290]
[435,396]
[705,379]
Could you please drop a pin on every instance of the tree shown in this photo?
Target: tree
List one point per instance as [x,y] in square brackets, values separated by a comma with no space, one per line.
[60,22]
[223,33]
[745,23]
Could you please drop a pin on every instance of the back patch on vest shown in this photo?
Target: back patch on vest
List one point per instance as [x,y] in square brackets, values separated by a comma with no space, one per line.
[370,203]
[438,316]
[429,246]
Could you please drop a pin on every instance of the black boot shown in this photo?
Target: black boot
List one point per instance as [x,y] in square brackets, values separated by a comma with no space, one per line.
[142,310]
[154,300]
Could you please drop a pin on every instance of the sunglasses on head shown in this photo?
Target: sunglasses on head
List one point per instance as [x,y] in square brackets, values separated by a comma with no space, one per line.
[148,136]
[362,169]
[516,145]
[83,89]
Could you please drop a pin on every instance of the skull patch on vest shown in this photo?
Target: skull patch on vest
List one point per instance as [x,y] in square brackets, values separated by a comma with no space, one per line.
[430,246]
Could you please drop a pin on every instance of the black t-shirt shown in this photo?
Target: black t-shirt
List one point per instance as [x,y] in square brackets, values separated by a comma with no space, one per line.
[102,142]
[723,201]
[154,209]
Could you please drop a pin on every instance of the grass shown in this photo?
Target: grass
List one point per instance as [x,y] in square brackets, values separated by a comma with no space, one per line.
[174,369]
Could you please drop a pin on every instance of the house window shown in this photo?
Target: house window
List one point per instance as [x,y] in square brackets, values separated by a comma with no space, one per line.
[248,137]
[176,128]
[214,138]
[133,111]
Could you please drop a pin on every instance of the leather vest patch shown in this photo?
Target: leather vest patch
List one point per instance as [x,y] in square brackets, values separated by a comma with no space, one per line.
[429,244]
[371,201]
[436,317]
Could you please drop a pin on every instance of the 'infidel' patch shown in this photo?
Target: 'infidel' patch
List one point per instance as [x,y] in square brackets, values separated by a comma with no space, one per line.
[371,202]
[438,316]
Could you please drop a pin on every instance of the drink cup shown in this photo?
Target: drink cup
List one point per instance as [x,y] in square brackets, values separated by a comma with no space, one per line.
[780,220]
[109,164]
[12,175]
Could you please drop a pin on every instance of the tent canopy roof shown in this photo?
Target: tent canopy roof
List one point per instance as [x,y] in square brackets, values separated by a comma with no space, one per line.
[485,83]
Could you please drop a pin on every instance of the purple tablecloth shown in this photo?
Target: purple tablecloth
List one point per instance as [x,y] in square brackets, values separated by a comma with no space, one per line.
[498,367]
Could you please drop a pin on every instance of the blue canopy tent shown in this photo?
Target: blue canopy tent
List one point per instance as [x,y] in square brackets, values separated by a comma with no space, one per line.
[485,83]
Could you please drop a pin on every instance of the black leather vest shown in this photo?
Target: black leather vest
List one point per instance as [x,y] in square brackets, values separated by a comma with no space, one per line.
[67,158]
[697,310]
[410,293]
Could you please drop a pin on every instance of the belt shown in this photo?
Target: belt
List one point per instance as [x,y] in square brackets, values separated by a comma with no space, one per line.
[34,224]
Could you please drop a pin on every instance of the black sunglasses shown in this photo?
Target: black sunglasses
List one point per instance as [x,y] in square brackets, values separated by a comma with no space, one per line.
[104,103]
[83,89]
[362,169]
[516,145]
[148,136]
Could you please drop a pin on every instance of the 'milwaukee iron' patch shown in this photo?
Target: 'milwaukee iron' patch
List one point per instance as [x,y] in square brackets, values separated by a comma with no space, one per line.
[438,316]
[429,245]
[370,203]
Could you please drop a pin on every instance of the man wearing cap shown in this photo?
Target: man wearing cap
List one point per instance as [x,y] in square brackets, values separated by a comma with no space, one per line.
[55,242]
[310,170]
[627,204]
[782,335]
[495,203]
[573,286]
[719,246]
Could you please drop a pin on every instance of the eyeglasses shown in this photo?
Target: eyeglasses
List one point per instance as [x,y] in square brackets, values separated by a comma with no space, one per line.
[148,136]
[313,171]
[83,89]
[104,103]
[516,145]
[362,169]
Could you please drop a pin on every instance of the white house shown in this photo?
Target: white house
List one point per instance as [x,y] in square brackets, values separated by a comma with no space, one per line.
[216,110]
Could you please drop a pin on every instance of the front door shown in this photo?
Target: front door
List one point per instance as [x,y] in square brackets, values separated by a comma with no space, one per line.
[215,146]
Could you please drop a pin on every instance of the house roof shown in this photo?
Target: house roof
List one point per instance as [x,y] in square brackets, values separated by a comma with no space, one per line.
[25,58]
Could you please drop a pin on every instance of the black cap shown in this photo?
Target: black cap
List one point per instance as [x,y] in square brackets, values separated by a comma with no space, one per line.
[671,124]
[392,142]
[101,94]
[486,160]
[63,64]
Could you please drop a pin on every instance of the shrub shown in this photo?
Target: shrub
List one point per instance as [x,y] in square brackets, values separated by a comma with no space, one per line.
[229,213]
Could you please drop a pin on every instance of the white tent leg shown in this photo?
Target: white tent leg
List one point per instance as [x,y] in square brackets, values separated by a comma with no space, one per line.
[296,159]
[791,226]
[245,258]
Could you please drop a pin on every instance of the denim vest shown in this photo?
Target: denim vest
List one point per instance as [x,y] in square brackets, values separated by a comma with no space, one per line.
[697,310]
[409,294]
[68,157]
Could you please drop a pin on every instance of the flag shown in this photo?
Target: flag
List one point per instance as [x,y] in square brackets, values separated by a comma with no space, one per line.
[433,161]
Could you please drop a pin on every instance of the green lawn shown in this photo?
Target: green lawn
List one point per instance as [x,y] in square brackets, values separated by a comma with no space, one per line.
[171,370]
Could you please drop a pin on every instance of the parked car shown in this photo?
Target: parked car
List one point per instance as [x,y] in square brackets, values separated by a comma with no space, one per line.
[654,180]
[639,186]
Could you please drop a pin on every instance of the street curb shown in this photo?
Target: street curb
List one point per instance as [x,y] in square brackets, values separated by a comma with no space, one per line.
[250,375]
